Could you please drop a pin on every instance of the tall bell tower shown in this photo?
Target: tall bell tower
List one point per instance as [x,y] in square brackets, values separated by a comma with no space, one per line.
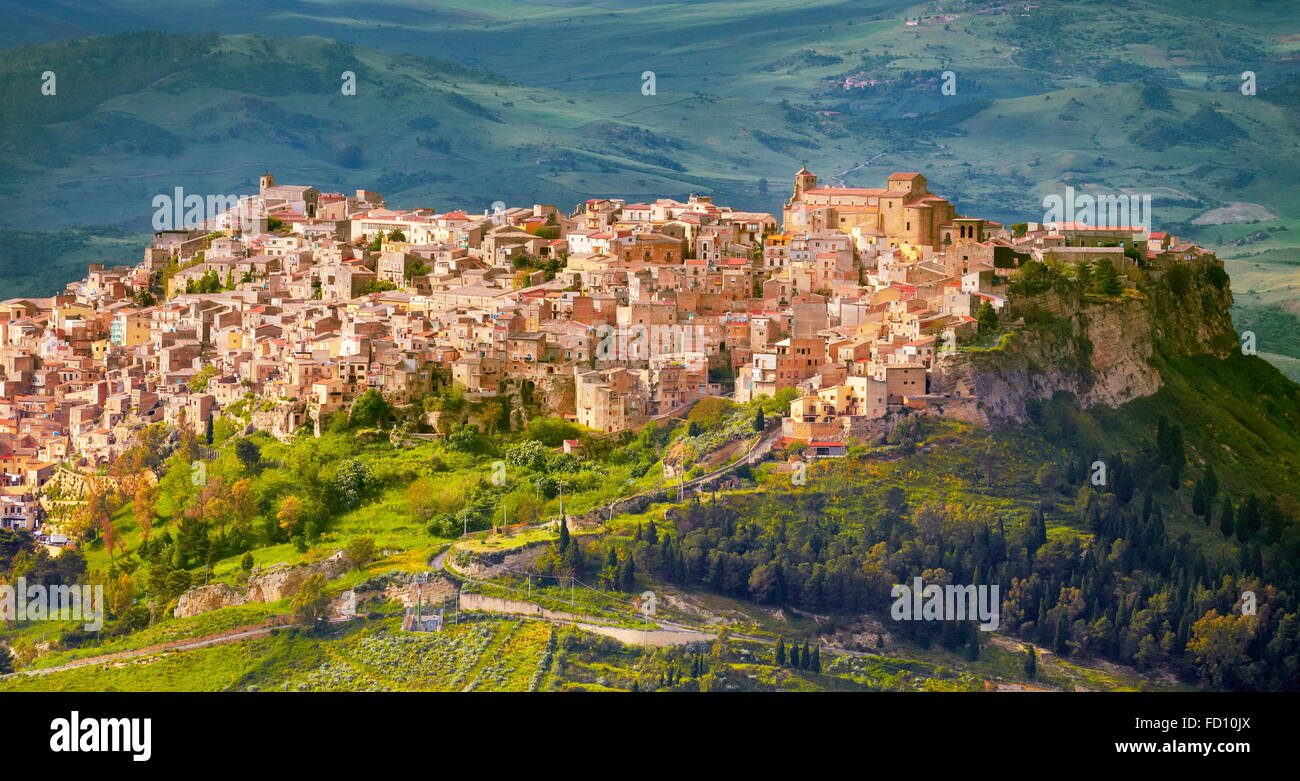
[803,181]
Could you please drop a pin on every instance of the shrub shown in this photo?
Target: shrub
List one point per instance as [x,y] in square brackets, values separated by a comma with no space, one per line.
[530,454]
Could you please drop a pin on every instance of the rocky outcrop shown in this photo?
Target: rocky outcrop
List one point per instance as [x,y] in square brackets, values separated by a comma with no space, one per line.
[1104,352]
[205,599]
[277,583]
[403,587]
[281,419]
[493,563]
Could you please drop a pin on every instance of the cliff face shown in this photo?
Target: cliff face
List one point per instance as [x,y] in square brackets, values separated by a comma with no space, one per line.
[1101,351]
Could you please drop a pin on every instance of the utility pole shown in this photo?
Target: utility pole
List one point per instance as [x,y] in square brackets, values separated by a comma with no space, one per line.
[464,521]
[419,598]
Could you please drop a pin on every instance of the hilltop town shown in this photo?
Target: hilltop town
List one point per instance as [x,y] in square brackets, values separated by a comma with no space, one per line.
[289,305]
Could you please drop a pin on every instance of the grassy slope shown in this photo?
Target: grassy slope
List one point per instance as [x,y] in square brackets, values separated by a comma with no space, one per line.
[1241,414]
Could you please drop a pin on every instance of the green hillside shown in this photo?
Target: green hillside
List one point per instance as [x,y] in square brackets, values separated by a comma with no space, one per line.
[1138,570]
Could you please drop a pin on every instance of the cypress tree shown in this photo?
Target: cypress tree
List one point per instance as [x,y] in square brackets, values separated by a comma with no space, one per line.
[780,652]
[973,644]
[627,577]
[1243,527]
[1226,524]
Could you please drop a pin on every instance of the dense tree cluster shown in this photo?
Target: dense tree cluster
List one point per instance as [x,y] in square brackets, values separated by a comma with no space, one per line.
[1128,593]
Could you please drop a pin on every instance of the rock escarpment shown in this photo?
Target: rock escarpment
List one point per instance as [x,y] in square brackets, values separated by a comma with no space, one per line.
[1102,351]
[272,585]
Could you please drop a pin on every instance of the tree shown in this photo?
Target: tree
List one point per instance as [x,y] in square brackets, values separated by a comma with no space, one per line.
[291,515]
[1083,273]
[142,507]
[311,604]
[352,483]
[177,582]
[564,535]
[369,409]
[1226,523]
[988,319]
[361,550]
[1211,483]
[248,453]
[1218,645]
[199,382]
[6,661]
[572,561]
[551,432]
[119,593]
[780,652]
[817,659]
[246,563]
[1106,280]
[464,437]
[1048,478]
[760,422]
[530,454]
[242,506]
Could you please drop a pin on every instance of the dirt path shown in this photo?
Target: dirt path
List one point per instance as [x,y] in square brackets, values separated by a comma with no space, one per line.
[232,636]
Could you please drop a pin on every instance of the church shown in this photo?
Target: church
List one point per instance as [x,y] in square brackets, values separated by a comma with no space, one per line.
[904,212]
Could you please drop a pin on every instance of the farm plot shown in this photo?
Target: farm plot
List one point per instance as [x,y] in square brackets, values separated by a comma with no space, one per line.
[514,662]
